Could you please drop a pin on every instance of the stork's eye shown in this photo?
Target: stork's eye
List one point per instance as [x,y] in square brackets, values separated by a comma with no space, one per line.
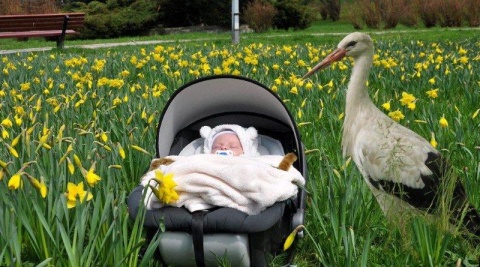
[352,43]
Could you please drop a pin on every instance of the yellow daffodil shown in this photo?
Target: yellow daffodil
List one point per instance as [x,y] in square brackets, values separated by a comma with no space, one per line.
[76,192]
[39,185]
[309,85]
[77,161]
[70,166]
[25,86]
[5,134]
[117,101]
[43,139]
[330,84]
[443,122]
[15,181]
[151,118]
[103,137]
[121,151]
[7,123]
[291,237]
[16,140]
[299,113]
[433,142]
[18,120]
[3,164]
[124,73]
[90,176]
[140,149]
[12,150]
[475,114]
[60,133]
[432,93]
[463,60]
[396,115]
[165,190]
[412,105]
[407,99]
[386,106]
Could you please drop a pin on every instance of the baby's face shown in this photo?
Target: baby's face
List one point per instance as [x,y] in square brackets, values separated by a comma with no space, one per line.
[227,141]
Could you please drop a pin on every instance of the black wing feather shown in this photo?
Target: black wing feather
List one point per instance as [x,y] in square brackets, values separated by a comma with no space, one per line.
[421,198]
[428,198]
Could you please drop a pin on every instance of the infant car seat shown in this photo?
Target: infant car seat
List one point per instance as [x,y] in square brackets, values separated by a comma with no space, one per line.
[203,238]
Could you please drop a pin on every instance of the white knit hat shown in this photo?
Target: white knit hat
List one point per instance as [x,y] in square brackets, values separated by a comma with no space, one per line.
[248,137]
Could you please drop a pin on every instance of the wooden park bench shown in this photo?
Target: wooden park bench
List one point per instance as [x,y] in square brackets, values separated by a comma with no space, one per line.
[41,25]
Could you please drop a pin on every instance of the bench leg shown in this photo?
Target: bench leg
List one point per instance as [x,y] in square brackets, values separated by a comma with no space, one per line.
[61,38]
[60,42]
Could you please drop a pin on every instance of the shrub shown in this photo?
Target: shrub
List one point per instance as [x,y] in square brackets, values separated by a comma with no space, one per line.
[259,15]
[450,12]
[195,12]
[351,15]
[332,8]
[324,11]
[410,15]
[377,13]
[75,7]
[96,7]
[112,4]
[428,12]
[102,22]
[291,14]
[472,13]
[14,7]
[391,11]
[10,7]
[370,13]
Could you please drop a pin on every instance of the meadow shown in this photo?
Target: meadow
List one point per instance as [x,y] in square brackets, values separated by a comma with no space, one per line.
[78,129]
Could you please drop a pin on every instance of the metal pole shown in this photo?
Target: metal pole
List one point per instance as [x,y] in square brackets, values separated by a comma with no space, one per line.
[235,22]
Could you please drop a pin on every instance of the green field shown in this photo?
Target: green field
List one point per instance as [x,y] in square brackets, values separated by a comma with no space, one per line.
[70,116]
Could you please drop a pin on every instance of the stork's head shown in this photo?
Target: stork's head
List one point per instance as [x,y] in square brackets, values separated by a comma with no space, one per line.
[353,45]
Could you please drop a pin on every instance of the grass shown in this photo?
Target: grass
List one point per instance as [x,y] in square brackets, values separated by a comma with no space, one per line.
[72,113]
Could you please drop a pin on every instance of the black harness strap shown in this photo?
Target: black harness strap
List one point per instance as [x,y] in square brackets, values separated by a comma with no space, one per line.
[197,237]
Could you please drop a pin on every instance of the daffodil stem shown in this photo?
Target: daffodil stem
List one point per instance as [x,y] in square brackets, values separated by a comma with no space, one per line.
[26,164]
[299,228]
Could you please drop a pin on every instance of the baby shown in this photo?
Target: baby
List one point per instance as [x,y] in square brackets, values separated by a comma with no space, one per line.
[227,141]
[230,139]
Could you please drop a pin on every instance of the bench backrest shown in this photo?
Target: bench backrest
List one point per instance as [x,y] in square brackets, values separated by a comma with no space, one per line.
[39,22]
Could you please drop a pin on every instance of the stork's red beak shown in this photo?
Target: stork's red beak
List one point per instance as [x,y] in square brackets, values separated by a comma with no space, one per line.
[336,55]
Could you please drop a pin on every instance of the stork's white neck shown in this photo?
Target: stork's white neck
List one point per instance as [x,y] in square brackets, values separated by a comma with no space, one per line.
[358,102]
[357,93]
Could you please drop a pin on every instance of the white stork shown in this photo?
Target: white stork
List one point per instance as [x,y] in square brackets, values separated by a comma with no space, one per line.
[401,168]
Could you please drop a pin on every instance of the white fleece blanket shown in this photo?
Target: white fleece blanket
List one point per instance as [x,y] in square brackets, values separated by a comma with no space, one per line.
[249,184]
